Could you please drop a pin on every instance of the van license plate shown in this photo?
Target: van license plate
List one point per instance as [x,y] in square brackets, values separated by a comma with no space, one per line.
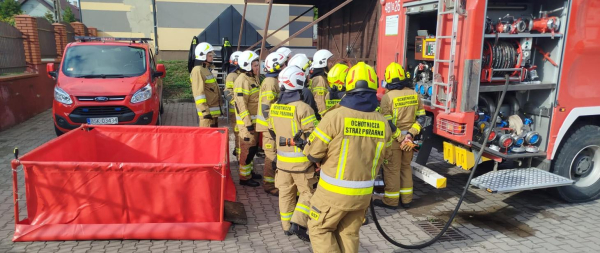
[103,121]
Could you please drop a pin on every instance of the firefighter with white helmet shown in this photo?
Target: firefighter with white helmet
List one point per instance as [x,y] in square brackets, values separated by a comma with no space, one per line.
[349,145]
[204,86]
[318,82]
[291,121]
[301,61]
[285,52]
[402,107]
[269,91]
[234,72]
[246,96]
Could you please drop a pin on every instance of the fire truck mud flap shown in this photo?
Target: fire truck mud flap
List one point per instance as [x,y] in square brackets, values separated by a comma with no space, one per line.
[511,180]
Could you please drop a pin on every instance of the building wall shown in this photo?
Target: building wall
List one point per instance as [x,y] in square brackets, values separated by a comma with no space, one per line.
[180,20]
[34,8]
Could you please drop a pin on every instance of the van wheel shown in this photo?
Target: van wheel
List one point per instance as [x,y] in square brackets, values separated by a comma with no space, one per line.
[579,160]
[57,131]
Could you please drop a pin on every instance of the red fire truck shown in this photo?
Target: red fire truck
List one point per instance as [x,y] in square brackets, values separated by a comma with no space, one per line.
[461,53]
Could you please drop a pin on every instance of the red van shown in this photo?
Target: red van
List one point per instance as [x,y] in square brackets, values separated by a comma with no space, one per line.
[107,81]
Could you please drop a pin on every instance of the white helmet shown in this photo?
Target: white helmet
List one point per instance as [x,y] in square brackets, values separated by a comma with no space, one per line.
[320,58]
[300,61]
[285,52]
[274,62]
[202,50]
[233,59]
[292,78]
[245,60]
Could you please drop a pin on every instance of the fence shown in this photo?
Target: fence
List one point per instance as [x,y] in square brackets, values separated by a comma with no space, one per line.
[47,39]
[70,32]
[11,50]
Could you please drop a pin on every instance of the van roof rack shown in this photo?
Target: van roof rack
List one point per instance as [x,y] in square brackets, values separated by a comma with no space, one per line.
[91,38]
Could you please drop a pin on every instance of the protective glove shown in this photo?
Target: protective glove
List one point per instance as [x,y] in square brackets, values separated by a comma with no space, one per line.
[407,145]
[207,116]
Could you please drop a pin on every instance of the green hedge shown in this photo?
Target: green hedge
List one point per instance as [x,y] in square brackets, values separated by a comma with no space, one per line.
[177,83]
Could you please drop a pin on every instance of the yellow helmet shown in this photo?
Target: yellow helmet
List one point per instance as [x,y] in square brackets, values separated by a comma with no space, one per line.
[361,77]
[395,73]
[337,75]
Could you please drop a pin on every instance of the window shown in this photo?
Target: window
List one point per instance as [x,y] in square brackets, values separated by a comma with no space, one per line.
[99,61]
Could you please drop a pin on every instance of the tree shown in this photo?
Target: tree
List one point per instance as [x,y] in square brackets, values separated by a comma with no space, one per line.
[8,10]
[49,16]
[68,16]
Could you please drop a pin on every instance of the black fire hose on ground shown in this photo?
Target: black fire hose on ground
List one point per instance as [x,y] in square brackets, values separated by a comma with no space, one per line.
[462,196]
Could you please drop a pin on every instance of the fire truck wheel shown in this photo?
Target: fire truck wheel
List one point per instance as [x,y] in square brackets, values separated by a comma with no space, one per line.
[579,159]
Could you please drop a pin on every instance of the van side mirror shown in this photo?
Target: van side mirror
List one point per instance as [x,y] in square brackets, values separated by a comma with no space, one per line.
[51,71]
[160,71]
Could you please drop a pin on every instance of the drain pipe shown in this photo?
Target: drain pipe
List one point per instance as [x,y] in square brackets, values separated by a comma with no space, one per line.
[155,27]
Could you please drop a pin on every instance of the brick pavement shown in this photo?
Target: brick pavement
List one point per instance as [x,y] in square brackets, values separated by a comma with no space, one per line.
[530,221]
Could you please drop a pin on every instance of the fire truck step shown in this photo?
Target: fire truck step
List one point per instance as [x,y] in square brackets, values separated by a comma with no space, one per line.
[428,176]
[511,180]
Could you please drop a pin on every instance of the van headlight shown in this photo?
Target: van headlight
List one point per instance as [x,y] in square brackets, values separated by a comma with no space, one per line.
[61,96]
[142,94]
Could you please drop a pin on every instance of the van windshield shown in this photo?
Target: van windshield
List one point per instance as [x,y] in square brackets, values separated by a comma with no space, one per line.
[97,61]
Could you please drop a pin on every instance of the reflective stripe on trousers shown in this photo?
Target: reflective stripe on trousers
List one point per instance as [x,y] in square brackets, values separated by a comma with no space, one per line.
[286,216]
[200,99]
[239,121]
[302,208]
[215,110]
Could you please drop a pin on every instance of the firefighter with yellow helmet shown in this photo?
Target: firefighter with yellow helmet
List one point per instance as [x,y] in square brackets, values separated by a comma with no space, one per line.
[291,121]
[269,91]
[349,144]
[234,72]
[401,106]
[204,86]
[337,86]
[246,95]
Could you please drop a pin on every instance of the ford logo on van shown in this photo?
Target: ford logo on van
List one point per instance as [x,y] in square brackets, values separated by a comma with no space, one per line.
[101,99]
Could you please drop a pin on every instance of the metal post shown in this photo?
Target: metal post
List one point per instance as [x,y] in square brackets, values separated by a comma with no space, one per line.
[288,23]
[242,25]
[311,24]
[264,39]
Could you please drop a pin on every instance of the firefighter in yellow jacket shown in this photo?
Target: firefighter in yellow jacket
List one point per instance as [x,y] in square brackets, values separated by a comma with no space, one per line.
[402,106]
[349,143]
[204,86]
[269,91]
[318,82]
[234,72]
[291,121]
[246,95]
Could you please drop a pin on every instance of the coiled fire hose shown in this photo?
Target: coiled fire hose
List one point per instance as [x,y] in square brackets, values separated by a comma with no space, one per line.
[462,196]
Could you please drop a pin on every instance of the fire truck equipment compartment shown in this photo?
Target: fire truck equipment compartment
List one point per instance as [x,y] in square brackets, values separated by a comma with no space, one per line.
[125,182]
